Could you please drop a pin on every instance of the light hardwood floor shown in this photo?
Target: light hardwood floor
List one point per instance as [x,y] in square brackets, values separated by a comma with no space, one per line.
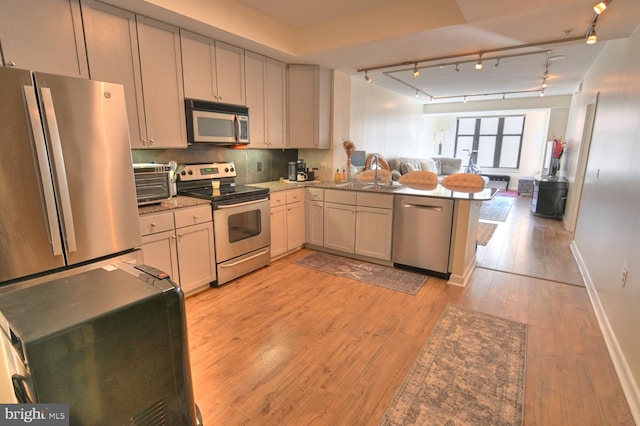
[288,345]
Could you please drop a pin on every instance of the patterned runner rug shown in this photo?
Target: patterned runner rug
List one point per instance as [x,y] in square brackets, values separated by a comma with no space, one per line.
[383,276]
[471,371]
[485,232]
[497,208]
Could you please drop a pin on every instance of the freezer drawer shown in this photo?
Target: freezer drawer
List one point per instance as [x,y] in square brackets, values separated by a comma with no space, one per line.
[422,232]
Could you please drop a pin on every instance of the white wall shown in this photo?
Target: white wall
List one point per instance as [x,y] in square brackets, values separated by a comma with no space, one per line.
[607,236]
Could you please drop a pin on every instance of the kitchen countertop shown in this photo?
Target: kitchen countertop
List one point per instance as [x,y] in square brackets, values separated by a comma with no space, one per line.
[393,188]
[174,203]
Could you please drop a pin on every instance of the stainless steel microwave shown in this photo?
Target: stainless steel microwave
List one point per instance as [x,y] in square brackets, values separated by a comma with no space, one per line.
[216,123]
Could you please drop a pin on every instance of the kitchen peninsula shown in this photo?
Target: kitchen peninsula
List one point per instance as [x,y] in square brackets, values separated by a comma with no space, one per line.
[362,221]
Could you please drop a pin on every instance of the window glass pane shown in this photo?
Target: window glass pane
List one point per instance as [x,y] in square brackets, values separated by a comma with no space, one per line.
[513,125]
[466,126]
[489,125]
[509,151]
[464,142]
[486,147]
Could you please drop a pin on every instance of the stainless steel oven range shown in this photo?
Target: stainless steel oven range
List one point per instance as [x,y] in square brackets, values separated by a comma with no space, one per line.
[241,221]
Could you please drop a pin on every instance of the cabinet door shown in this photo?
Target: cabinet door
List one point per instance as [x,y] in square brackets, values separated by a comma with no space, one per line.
[196,256]
[295,225]
[255,71]
[276,110]
[43,36]
[339,227]
[161,71]
[373,232]
[303,101]
[315,223]
[199,65]
[230,74]
[278,230]
[112,51]
[159,250]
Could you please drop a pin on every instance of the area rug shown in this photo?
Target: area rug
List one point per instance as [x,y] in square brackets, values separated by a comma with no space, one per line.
[497,208]
[382,276]
[485,232]
[471,371]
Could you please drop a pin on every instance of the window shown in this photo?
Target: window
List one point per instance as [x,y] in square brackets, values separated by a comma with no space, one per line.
[498,140]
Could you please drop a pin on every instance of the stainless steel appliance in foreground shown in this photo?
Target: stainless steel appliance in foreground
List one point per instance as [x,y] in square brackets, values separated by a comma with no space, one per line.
[422,233]
[67,188]
[241,217]
[110,342]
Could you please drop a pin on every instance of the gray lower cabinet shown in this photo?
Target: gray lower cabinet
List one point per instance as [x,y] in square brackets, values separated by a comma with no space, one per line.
[181,243]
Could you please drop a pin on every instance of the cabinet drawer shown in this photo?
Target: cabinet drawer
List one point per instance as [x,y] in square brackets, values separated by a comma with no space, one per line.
[193,215]
[278,198]
[315,194]
[339,196]
[383,201]
[153,223]
[295,195]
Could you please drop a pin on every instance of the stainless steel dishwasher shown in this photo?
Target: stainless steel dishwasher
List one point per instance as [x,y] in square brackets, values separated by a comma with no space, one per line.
[422,233]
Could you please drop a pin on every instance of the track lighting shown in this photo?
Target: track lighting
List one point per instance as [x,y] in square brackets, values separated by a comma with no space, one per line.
[592,38]
[497,64]
[479,63]
[464,100]
[600,7]
[457,69]
[542,93]
[366,77]
[417,93]
[416,72]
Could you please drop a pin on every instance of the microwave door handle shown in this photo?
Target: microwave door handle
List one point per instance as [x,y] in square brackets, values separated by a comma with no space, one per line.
[44,168]
[61,174]
[236,125]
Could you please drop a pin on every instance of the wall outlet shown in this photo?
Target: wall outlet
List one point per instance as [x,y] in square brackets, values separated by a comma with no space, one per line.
[623,276]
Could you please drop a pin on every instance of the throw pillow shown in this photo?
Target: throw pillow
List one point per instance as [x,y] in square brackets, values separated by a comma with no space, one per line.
[436,166]
[407,167]
[429,166]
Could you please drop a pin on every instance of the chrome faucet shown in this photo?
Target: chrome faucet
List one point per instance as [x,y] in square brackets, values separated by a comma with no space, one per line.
[376,177]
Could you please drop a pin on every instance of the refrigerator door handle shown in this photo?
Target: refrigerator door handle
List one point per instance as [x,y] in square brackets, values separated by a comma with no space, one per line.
[61,174]
[45,171]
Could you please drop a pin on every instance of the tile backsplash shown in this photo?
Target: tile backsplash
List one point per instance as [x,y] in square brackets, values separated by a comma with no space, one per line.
[252,165]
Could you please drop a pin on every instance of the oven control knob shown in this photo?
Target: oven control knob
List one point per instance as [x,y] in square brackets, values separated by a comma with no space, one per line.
[232,169]
[190,172]
[183,173]
[226,169]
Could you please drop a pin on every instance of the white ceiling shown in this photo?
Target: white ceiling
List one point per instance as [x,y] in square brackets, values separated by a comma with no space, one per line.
[352,35]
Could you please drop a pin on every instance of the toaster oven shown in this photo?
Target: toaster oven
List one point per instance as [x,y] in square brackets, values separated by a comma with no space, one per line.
[153,182]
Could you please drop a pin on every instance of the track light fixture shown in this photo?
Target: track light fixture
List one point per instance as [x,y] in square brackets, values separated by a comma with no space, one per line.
[416,72]
[479,63]
[464,100]
[417,93]
[457,69]
[592,38]
[366,77]
[600,7]
[497,64]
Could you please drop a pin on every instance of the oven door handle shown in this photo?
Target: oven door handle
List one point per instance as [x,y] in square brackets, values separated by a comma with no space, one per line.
[230,206]
[229,265]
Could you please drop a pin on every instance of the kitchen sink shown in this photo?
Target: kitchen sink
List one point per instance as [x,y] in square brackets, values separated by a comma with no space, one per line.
[370,186]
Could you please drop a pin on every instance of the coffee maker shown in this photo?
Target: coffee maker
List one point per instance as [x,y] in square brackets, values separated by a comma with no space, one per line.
[301,167]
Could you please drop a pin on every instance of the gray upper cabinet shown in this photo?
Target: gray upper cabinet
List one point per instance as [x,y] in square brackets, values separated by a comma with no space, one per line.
[266,85]
[309,106]
[212,70]
[144,56]
[43,36]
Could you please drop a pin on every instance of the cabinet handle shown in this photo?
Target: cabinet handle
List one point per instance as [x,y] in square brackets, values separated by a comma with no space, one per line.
[173,237]
[195,217]
[180,235]
[151,141]
[11,64]
[153,224]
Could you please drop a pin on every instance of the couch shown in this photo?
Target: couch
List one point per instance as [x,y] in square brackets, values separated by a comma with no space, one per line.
[442,166]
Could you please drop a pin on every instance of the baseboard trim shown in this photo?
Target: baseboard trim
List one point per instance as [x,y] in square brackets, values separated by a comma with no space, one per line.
[462,280]
[629,386]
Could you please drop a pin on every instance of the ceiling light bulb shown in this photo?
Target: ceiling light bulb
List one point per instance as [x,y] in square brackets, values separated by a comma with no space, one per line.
[593,37]
[542,93]
[464,100]
[416,73]
[600,7]
[479,63]
[366,77]
[417,93]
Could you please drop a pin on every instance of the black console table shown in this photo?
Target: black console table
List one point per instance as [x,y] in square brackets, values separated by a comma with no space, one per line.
[549,196]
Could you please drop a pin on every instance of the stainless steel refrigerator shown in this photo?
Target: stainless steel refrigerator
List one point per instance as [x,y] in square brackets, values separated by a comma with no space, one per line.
[79,324]
[67,192]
